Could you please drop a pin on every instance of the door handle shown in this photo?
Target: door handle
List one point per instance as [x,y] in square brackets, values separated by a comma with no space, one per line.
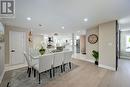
[13,50]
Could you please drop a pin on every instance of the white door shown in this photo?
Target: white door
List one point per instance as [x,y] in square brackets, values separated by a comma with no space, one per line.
[17,47]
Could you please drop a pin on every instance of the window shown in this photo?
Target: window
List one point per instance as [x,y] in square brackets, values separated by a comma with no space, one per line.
[128,43]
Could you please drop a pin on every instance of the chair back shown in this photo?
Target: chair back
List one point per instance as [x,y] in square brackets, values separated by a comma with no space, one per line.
[58,59]
[34,52]
[45,62]
[67,56]
[27,59]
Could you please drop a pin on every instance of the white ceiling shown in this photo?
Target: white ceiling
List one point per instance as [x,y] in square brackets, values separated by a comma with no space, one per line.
[53,14]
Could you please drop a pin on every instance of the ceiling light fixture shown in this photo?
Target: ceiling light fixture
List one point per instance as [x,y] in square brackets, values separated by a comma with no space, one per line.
[29,18]
[63,27]
[85,19]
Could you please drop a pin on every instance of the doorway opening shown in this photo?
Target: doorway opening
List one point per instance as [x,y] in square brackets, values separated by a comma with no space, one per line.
[123,41]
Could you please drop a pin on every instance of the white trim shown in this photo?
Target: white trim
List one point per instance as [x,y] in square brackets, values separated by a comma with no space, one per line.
[85,59]
[82,57]
[90,60]
[106,67]
[1,77]
[12,67]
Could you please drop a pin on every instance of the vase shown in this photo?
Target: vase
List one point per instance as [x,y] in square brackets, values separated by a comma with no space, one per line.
[96,62]
[42,52]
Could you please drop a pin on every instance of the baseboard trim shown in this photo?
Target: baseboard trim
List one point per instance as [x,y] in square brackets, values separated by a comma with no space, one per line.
[12,67]
[88,60]
[106,67]
[92,61]
[1,77]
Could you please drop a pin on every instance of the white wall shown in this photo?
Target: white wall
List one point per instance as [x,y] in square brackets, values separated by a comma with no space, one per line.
[37,40]
[107,45]
[1,55]
[91,47]
[82,43]
[7,29]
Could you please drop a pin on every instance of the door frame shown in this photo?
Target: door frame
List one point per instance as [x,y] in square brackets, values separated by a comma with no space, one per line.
[117,44]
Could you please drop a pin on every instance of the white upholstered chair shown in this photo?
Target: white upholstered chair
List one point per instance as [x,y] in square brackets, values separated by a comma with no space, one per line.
[45,63]
[58,61]
[29,62]
[67,59]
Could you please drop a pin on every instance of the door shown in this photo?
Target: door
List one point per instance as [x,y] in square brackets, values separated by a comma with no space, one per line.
[17,47]
[78,46]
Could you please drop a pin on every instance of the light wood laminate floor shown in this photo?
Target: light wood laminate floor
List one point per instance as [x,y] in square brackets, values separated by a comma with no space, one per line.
[89,75]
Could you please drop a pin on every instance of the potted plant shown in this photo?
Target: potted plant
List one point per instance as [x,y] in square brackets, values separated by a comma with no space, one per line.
[95,54]
[42,50]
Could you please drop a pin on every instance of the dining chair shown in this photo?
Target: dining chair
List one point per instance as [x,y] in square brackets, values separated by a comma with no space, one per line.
[58,61]
[45,63]
[29,63]
[67,59]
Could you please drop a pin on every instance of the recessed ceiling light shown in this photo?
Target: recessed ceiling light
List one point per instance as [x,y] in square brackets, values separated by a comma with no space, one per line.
[85,19]
[63,27]
[28,18]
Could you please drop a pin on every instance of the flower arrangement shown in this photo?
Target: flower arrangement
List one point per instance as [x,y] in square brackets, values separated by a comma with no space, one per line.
[42,50]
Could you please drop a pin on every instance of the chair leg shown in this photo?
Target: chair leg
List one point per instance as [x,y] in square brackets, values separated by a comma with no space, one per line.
[29,72]
[8,84]
[70,65]
[34,73]
[39,78]
[64,67]
[53,72]
[50,73]
[61,69]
